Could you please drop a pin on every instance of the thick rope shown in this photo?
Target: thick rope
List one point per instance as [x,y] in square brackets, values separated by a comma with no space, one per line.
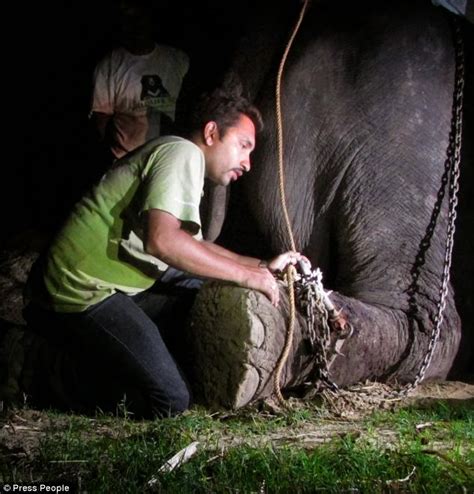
[290,271]
[290,277]
[279,120]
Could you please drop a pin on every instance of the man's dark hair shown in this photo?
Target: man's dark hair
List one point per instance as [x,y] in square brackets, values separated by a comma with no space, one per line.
[224,106]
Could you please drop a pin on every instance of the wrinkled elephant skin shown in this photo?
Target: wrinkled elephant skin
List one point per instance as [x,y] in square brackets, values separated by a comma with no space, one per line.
[366,98]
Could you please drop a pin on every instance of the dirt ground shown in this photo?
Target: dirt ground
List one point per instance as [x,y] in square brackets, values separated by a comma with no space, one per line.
[22,429]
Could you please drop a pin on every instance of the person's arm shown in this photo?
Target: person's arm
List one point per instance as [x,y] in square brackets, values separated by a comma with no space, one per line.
[103,97]
[169,242]
[246,261]
[278,263]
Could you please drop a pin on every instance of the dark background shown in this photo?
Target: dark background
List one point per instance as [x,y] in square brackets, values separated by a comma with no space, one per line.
[57,155]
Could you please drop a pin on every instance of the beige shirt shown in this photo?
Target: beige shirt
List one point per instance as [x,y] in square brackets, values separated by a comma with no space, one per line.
[136,91]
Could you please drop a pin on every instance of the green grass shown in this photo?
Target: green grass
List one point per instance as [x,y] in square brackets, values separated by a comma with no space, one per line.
[255,452]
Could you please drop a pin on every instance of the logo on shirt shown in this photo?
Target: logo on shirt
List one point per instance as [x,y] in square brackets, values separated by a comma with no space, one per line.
[152,87]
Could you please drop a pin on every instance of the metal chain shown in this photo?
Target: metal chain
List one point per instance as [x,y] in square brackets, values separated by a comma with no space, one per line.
[310,296]
[451,174]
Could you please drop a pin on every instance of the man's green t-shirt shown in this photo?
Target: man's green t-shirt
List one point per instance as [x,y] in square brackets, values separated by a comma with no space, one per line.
[100,251]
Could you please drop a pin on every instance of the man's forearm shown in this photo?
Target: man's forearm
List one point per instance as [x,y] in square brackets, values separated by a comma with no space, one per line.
[166,240]
[245,260]
[182,251]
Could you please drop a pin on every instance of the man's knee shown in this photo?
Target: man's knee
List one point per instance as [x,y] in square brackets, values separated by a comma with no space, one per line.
[171,405]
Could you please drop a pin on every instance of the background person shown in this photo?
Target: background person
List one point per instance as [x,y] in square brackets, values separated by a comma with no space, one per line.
[136,86]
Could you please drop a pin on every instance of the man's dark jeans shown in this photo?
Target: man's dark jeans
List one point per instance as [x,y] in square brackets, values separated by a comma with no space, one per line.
[114,351]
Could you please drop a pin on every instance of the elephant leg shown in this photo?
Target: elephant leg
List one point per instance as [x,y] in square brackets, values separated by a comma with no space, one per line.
[389,345]
[213,209]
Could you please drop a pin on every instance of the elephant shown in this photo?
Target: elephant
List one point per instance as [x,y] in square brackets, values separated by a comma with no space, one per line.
[366,98]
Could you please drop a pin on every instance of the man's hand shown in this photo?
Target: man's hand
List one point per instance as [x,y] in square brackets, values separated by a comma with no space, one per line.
[279,263]
[262,279]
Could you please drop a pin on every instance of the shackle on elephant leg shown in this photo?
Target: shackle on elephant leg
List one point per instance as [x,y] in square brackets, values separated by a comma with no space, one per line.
[337,319]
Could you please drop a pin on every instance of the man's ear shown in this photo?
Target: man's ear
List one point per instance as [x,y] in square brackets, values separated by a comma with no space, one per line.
[211,133]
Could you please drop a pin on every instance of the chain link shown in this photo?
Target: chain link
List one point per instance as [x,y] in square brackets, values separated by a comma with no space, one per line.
[314,303]
[310,302]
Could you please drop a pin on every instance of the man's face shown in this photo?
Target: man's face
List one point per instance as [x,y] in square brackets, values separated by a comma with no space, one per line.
[228,158]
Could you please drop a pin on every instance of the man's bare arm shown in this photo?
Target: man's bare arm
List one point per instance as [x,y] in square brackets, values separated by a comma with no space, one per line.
[276,264]
[169,242]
